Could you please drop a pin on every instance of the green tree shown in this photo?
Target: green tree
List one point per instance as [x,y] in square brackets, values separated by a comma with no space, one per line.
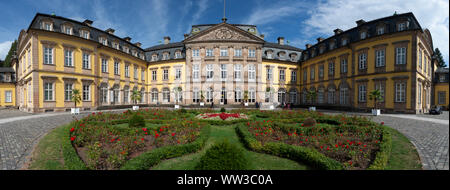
[439,58]
[76,97]
[136,96]
[245,96]
[9,56]
[376,96]
[202,97]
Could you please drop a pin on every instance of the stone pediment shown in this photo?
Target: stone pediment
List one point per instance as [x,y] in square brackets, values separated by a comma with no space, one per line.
[222,33]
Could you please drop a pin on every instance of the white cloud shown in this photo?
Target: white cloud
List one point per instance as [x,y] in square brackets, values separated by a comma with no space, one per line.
[202,6]
[4,48]
[263,14]
[329,15]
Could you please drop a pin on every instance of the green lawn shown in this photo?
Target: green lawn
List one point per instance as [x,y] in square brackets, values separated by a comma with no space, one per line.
[404,155]
[259,161]
[48,154]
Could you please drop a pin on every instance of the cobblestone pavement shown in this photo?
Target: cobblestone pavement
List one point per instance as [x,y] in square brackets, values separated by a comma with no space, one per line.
[11,112]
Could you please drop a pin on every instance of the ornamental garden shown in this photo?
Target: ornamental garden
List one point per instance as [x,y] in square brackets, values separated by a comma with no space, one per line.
[241,139]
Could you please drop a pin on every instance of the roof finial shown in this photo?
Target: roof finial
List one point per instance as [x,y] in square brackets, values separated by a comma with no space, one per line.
[224,19]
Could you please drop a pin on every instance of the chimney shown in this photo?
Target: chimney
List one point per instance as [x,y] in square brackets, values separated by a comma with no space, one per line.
[280,40]
[185,36]
[128,39]
[166,40]
[360,22]
[110,30]
[88,22]
[320,39]
[308,46]
[138,44]
[337,31]
[261,36]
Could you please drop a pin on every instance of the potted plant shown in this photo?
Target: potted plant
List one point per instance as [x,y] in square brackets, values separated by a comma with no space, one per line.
[311,96]
[135,97]
[246,98]
[376,96]
[202,99]
[76,98]
[177,95]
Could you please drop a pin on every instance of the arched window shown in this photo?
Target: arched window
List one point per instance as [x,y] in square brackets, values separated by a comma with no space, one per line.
[251,95]
[209,95]
[304,96]
[142,95]
[343,95]
[237,95]
[281,95]
[320,95]
[331,95]
[166,95]
[293,96]
[155,95]
[195,95]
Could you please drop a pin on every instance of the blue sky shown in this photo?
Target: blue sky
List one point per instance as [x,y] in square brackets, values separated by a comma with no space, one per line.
[299,21]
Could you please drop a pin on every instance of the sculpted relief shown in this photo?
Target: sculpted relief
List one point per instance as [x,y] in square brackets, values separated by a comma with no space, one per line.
[223,33]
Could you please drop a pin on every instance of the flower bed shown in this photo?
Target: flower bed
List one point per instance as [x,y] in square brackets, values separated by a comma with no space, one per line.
[221,116]
[109,147]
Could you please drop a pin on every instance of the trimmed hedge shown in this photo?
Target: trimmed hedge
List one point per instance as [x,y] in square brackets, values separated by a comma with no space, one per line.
[382,156]
[71,159]
[222,122]
[153,157]
[223,156]
[297,153]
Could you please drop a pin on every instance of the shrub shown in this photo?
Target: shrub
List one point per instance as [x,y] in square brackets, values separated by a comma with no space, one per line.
[310,122]
[223,110]
[223,156]
[182,110]
[136,121]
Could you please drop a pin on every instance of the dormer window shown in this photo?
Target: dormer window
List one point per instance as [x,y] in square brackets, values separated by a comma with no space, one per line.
[322,49]
[67,29]
[84,34]
[306,56]
[281,55]
[126,49]
[154,57]
[332,45]
[269,55]
[380,30]
[166,56]
[115,45]
[177,54]
[344,41]
[363,35]
[293,56]
[134,52]
[47,25]
[103,41]
[313,53]
[401,26]
[142,56]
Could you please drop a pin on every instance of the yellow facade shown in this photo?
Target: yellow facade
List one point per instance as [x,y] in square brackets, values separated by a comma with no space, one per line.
[441,88]
[7,95]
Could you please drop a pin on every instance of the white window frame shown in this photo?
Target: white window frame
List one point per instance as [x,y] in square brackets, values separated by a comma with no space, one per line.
[237,72]
[154,75]
[68,89]
[223,72]
[344,66]
[209,52]
[86,61]
[400,55]
[282,75]
[68,58]
[223,52]
[196,71]
[251,53]
[237,52]
[209,72]
[165,74]
[127,70]
[177,73]
[362,93]
[269,74]
[195,53]
[86,92]
[48,89]
[294,76]
[48,55]
[251,72]
[400,92]
[380,58]
[116,68]
[362,60]
[104,65]
[8,96]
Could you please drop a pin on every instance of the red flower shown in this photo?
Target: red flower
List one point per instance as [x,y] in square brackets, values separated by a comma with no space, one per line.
[173,134]
[156,135]
[144,129]
[336,145]
[256,134]
[135,142]
[328,148]
[72,138]
[350,163]
[161,129]
[71,130]
[382,123]
[142,139]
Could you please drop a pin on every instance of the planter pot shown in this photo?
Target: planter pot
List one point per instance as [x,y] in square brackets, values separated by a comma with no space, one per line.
[221,103]
[376,112]
[272,107]
[246,103]
[177,106]
[312,108]
[202,104]
[75,111]
[135,107]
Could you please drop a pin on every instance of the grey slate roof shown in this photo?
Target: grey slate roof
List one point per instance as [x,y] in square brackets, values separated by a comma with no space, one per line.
[6,70]
[441,70]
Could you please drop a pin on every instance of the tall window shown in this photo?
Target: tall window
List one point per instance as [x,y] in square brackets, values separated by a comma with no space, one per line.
[331,95]
[209,71]
[103,41]
[154,75]
[8,96]
[155,95]
[321,68]
[30,92]
[237,95]
[29,57]
[293,96]
[165,74]
[68,91]
[400,93]
[223,52]
[320,95]
[312,73]
[223,71]
[238,52]
[400,55]
[252,95]
[68,61]
[116,68]
[127,70]
[441,97]
[196,71]
[343,95]
[305,75]
[48,55]
[104,94]
[331,68]
[195,95]
[362,61]
[282,75]
[380,87]
[344,65]
[269,74]
[166,95]
[135,72]
[237,72]
[209,52]
[281,95]
[104,65]
[48,91]
[86,61]
[420,59]
[209,95]
[142,73]
[86,92]
[293,76]
[251,53]
[379,58]
[195,53]
[362,93]
[251,72]
[419,91]
[126,93]
[177,73]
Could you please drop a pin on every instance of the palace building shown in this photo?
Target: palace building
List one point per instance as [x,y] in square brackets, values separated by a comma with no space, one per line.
[224,64]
